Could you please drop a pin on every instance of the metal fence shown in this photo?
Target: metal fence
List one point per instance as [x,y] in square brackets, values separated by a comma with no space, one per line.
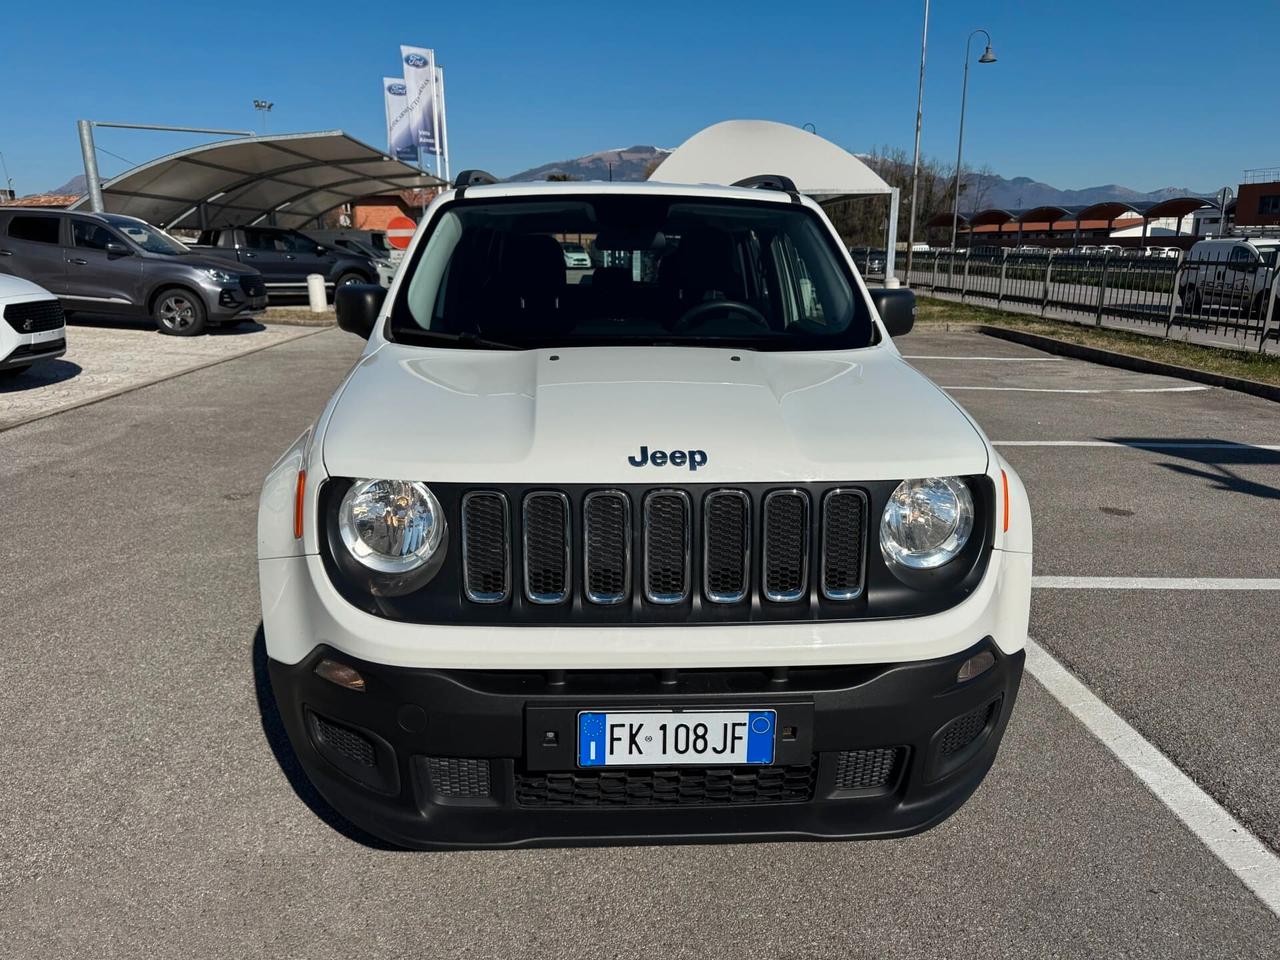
[1228,295]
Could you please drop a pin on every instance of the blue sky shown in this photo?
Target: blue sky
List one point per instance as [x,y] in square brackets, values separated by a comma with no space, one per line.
[1140,93]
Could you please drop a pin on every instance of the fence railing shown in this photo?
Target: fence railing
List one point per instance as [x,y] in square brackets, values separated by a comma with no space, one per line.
[1227,296]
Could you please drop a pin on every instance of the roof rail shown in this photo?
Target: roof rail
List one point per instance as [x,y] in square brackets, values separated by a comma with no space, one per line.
[472,178]
[771,181]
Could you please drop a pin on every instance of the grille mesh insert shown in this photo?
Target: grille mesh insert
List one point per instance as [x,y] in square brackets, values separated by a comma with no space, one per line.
[961,732]
[666,546]
[343,741]
[546,556]
[868,769]
[842,539]
[459,777]
[786,545]
[607,533]
[726,539]
[485,547]
[36,317]
[682,787]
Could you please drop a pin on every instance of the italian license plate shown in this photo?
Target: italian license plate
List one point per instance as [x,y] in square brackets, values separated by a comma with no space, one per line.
[705,738]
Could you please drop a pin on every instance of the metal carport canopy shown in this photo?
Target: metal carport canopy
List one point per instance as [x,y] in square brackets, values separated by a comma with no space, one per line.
[289,178]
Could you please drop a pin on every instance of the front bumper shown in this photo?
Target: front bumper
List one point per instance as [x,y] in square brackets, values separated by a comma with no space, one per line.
[441,759]
[29,351]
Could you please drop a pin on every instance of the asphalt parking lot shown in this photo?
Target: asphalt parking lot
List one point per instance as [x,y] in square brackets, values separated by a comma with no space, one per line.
[151,809]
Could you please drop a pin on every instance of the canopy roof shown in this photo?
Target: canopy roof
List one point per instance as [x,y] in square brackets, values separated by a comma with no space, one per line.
[292,178]
[736,149]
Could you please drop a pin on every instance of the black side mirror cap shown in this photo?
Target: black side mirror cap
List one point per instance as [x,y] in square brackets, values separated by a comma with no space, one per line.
[357,306]
[897,308]
[115,249]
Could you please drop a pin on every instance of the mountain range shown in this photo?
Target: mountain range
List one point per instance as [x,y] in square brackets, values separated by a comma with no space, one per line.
[631,163]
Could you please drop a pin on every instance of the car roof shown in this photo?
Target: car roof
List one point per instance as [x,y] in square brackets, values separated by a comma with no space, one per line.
[625,188]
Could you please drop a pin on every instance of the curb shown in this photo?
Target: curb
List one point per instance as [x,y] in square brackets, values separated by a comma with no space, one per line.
[121,391]
[1266,391]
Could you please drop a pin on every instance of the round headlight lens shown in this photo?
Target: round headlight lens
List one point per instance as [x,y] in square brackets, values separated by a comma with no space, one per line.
[926,522]
[391,526]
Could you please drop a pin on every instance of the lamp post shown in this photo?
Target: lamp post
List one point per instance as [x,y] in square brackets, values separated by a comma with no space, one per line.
[263,107]
[987,57]
[915,156]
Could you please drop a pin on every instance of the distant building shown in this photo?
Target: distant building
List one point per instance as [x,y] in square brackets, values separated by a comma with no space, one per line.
[54,201]
[1257,203]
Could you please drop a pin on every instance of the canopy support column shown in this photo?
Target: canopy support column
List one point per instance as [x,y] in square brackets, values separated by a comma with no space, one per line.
[891,240]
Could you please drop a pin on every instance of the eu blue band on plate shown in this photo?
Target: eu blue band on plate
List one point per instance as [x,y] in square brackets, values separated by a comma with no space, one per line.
[760,736]
[591,740]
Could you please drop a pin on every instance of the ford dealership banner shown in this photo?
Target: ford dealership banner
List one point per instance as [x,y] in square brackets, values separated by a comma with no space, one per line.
[401,142]
[419,78]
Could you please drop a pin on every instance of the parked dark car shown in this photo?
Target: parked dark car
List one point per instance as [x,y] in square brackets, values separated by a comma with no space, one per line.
[286,257]
[107,263]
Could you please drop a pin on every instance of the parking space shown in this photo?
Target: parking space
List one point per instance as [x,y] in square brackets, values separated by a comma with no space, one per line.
[107,357]
[150,786]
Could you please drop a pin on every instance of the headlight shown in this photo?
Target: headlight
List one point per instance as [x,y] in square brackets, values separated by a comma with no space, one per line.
[220,276]
[393,527]
[926,522]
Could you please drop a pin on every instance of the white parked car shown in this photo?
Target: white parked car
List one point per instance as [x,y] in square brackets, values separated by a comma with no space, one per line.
[575,256]
[1231,272]
[33,327]
[683,553]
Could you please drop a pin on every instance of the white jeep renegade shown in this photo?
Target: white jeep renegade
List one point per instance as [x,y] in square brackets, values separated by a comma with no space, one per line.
[683,550]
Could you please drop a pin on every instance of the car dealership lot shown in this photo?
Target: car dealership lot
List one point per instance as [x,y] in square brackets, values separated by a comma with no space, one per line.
[151,808]
[105,357]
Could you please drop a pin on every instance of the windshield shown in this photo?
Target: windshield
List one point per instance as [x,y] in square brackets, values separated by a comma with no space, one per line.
[670,271]
[146,236]
[574,247]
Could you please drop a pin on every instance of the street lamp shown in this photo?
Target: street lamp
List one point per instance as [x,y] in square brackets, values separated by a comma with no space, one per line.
[263,107]
[7,179]
[915,156]
[987,57]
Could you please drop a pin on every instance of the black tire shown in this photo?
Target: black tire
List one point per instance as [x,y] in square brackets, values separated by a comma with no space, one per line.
[179,312]
[350,277]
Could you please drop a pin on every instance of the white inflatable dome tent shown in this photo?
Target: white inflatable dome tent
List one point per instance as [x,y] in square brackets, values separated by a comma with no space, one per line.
[734,150]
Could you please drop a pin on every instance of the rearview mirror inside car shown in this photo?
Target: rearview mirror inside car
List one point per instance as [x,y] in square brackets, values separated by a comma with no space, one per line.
[357,306]
[897,308]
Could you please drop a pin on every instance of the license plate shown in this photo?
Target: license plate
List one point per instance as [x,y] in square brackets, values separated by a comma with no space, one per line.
[705,738]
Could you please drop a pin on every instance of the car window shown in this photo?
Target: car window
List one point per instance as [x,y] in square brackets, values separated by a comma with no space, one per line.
[291,242]
[35,229]
[671,271]
[1241,253]
[260,240]
[91,236]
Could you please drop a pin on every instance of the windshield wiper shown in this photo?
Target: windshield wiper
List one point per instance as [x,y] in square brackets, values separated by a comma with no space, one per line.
[469,339]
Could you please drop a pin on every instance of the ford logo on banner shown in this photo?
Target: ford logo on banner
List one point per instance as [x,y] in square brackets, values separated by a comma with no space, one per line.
[397,89]
[415,60]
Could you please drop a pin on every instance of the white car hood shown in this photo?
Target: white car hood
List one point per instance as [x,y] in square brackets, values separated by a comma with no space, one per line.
[582,415]
[20,287]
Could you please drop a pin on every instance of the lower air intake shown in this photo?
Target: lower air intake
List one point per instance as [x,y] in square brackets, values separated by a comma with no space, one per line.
[868,769]
[458,778]
[962,731]
[344,741]
[684,787]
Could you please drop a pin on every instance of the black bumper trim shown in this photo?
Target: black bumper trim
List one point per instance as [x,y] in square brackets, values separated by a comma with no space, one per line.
[501,721]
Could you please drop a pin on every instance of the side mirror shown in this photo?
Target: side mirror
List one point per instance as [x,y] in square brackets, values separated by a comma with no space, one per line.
[321,249]
[897,308]
[357,306]
[115,249]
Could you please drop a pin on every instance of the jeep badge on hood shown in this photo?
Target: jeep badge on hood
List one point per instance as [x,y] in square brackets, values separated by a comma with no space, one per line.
[693,459]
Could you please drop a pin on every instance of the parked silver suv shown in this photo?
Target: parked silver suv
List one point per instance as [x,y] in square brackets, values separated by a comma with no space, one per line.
[107,263]
[1229,272]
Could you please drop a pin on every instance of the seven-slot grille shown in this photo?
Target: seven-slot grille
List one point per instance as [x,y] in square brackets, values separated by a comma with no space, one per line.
[35,317]
[662,546]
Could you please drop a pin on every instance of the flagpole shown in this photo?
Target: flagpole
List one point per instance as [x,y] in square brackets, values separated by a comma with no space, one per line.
[435,112]
[444,125]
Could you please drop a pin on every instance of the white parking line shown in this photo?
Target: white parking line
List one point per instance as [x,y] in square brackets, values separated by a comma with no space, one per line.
[1142,444]
[1156,583]
[1252,862]
[911,356]
[1083,390]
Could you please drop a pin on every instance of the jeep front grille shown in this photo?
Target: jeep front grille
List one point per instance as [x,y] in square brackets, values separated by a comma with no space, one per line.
[717,549]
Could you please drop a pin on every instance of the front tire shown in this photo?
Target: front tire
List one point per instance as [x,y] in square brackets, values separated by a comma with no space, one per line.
[179,312]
